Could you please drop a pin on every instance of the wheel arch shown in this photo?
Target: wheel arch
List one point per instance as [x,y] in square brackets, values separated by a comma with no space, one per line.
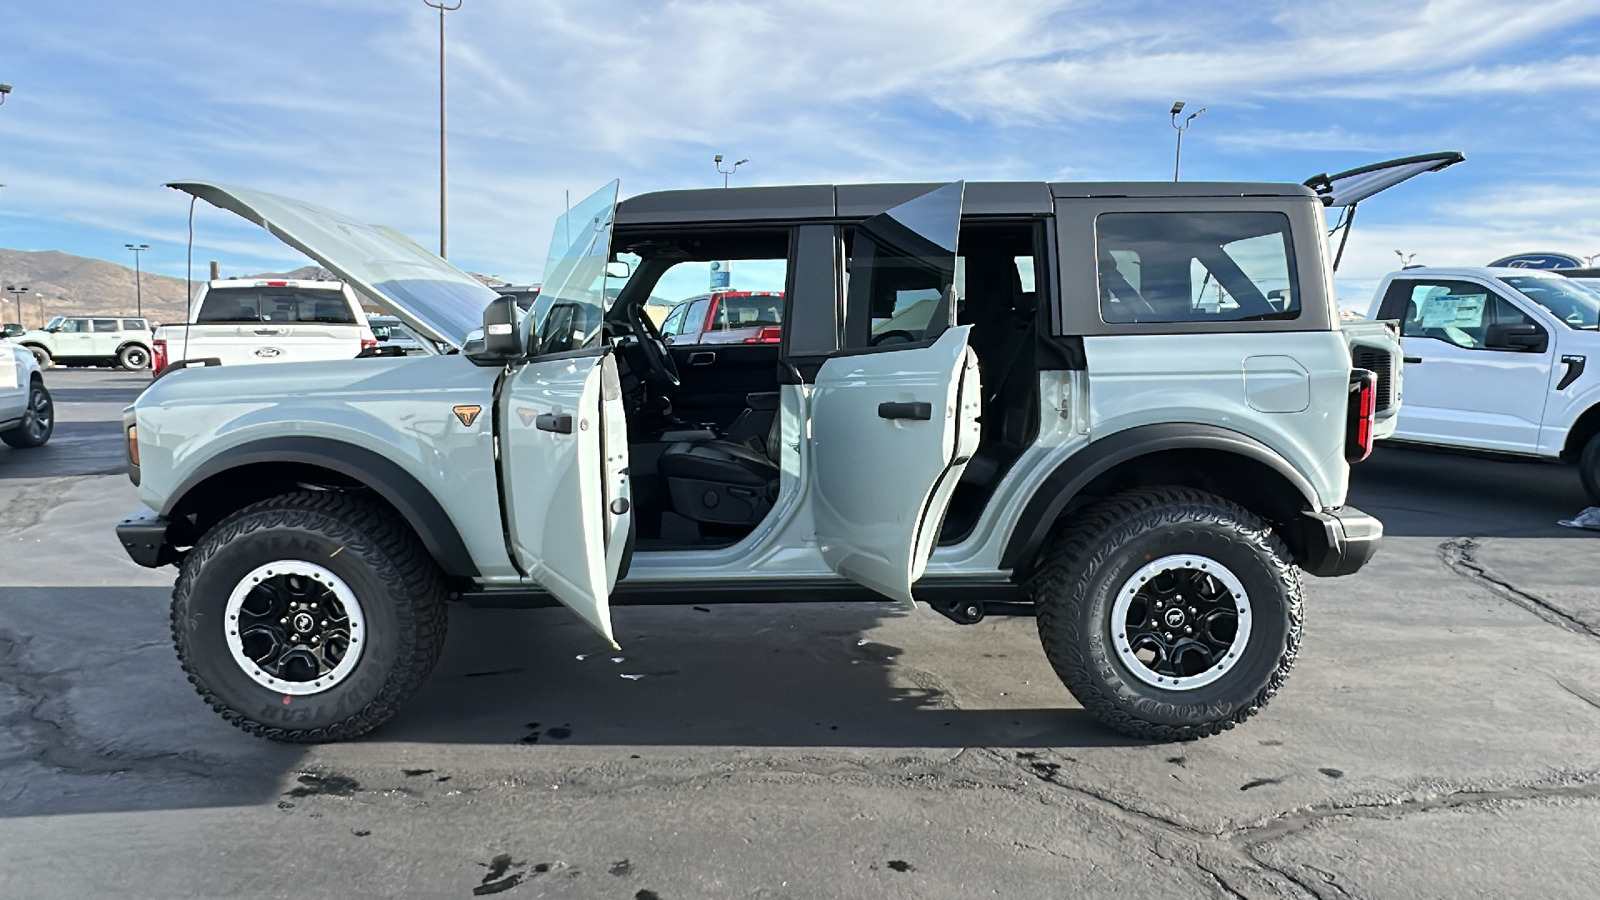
[255,471]
[1582,431]
[135,342]
[1228,463]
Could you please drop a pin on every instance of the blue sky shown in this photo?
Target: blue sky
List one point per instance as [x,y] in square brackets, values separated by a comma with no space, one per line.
[335,101]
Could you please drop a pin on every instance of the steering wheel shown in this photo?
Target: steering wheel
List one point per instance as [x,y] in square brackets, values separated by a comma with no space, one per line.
[656,356]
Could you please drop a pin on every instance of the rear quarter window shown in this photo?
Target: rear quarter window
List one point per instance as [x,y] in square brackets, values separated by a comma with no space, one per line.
[1187,267]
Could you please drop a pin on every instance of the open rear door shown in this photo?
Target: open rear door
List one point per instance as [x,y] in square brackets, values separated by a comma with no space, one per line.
[894,421]
[563,434]
[1346,189]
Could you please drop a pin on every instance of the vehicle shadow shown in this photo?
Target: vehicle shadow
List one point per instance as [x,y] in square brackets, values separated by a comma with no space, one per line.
[1429,493]
[766,675]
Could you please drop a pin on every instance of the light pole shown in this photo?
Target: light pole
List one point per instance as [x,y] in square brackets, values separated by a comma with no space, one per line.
[17,292]
[5,91]
[138,289]
[443,7]
[725,173]
[1177,108]
[1405,259]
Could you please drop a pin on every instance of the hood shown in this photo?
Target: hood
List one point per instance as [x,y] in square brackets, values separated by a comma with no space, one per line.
[427,293]
[1351,187]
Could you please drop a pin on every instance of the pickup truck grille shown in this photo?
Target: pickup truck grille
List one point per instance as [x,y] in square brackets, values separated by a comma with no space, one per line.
[1381,364]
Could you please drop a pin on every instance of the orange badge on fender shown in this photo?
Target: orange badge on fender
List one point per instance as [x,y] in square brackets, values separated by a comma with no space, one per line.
[467,414]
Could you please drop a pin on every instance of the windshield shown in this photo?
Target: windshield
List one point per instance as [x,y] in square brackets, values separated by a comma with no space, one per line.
[572,299]
[1577,306]
[55,322]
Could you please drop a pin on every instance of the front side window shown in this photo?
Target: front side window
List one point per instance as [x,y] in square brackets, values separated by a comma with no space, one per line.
[1573,304]
[1196,267]
[1456,312]
[75,326]
[572,302]
[673,323]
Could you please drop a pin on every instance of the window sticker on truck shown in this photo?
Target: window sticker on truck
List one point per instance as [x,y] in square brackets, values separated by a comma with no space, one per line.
[1452,310]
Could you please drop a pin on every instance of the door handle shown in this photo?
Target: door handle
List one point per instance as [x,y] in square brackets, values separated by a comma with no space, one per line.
[560,423]
[702,358]
[1575,366]
[269,331]
[921,411]
[1413,360]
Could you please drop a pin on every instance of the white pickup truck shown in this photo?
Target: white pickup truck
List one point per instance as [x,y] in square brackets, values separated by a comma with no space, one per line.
[1496,360]
[245,321]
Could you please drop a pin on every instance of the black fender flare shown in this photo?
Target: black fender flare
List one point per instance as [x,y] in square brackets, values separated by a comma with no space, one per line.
[132,343]
[1077,471]
[382,475]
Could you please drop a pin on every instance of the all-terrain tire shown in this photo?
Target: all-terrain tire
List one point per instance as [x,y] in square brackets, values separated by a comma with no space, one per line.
[1087,563]
[38,422]
[133,357]
[42,356]
[400,589]
[1589,469]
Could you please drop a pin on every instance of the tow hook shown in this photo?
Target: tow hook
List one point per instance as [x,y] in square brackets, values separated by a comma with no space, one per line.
[961,612]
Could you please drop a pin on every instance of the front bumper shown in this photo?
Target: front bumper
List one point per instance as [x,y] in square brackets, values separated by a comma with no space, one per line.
[144,536]
[1339,541]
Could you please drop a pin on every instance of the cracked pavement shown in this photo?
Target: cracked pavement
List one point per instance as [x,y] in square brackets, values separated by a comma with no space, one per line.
[1440,737]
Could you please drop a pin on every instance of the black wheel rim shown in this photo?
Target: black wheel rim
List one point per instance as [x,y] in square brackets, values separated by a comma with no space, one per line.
[294,627]
[40,415]
[1181,622]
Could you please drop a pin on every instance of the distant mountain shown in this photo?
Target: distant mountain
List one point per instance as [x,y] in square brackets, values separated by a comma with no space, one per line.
[67,285]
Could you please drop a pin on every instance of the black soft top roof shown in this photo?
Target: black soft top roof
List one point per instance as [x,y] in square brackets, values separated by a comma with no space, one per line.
[853,201]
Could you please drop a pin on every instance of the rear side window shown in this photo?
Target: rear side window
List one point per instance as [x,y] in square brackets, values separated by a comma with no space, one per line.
[105,326]
[134,325]
[1196,267]
[275,305]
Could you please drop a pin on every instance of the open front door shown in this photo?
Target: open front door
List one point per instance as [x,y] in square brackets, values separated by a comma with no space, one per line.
[563,433]
[894,418]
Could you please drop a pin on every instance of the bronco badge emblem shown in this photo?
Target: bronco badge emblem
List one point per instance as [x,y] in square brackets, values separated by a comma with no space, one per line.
[467,414]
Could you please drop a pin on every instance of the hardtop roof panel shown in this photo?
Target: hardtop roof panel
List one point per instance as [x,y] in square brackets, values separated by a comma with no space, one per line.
[806,201]
[1108,189]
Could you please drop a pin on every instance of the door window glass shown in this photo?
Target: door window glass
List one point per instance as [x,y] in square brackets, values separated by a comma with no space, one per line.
[1196,267]
[1457,312]
[573,298]
[134,325]
[901,277]
[75,326]
[673,323]
[105,326]
[755,302]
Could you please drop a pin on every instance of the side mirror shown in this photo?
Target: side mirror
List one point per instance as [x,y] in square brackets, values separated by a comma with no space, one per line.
[1520,338]
[618,270]
[500,341]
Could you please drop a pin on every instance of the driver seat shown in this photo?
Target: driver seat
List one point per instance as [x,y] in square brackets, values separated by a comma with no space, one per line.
[723,482]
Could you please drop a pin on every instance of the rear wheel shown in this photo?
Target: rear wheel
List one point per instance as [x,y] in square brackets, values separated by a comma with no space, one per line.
[308,617]
[1589,469]
[41,356]
[38,420]
[1169,613]
[133,357]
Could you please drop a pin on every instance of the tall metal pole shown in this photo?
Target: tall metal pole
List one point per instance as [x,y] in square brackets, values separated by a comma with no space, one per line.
[443,7]
[1177,158]
[138,278]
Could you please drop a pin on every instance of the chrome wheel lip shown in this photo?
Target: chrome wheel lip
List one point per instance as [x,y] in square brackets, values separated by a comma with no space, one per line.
[327,579]
[1130,589]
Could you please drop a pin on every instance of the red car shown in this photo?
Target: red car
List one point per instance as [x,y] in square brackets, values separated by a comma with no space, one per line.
[726,317]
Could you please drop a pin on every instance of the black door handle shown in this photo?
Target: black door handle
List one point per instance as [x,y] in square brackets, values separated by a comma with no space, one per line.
[920,411]
[560,424]
[1413,360]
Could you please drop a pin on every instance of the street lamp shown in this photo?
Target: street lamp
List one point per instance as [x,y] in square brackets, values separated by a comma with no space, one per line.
[5,91]
[1405,259]
[443,7]
[1177,108]
[725,173]
[138,289]
[17,292]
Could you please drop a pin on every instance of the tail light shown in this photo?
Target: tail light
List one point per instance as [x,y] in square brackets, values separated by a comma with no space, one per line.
[158,355]
[767,335]
[1361,407]
[368,344]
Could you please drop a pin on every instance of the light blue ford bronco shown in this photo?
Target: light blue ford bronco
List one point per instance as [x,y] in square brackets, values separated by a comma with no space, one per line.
[1128,409]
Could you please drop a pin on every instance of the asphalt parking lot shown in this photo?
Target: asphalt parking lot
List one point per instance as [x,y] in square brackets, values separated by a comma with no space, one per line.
[1440,736]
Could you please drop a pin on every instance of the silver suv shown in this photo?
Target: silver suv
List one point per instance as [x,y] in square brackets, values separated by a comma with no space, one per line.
[1132,414]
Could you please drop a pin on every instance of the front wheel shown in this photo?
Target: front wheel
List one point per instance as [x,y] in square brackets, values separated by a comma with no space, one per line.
[1169,613]
[1589,469]
[38,420]
[133,357]
[41,356]
[308,617]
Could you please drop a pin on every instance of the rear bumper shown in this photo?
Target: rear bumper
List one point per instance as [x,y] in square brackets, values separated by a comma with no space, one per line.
[144,536]
[1339,541]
